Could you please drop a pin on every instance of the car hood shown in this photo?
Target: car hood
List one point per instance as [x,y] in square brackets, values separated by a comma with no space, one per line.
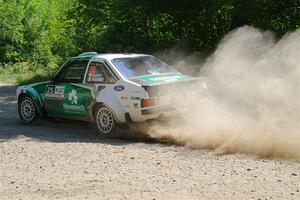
[160,79]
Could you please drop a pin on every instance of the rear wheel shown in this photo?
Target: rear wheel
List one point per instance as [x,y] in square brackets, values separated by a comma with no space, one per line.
[105,120]
[27,110]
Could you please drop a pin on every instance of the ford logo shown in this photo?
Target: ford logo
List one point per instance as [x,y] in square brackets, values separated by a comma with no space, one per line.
[119,88]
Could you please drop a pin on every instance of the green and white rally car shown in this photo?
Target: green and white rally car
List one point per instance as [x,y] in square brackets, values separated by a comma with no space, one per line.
[108,89]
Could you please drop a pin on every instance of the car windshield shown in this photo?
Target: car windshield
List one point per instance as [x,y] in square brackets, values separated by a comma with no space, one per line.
[141,66]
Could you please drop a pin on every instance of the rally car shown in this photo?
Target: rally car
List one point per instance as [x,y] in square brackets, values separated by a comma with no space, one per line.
[108,89]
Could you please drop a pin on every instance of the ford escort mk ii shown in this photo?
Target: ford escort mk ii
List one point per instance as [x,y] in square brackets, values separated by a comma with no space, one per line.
[109,89]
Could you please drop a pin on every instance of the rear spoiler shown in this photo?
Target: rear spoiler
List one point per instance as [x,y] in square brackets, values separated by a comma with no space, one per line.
[176,86]
[174,82]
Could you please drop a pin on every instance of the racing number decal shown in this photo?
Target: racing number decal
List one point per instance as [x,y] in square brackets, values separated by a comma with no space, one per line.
[55,92]
[50,89]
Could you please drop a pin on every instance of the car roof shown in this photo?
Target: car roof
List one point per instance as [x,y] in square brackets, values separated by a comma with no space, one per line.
[109,56]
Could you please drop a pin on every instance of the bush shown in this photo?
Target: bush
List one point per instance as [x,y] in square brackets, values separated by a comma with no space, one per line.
[23,73]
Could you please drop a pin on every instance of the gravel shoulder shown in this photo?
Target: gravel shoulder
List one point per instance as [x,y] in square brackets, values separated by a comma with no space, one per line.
[68,160]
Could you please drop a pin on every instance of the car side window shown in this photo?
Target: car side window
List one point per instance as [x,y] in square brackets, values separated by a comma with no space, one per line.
[73,72]
[99,73]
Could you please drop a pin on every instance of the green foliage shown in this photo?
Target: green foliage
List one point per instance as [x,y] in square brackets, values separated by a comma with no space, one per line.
[151,25]
[22,73]
[11,31]
[43,33]
[35,31]
[279,16]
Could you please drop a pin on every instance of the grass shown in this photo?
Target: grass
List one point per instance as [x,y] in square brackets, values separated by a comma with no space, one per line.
[8,78]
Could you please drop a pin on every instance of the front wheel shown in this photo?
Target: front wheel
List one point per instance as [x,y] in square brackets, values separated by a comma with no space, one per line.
[27,110]
[105,121]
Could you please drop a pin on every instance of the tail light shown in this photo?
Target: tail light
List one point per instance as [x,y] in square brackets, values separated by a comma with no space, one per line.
[149,102]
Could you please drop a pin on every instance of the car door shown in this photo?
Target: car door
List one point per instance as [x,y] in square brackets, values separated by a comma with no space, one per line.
[66,96]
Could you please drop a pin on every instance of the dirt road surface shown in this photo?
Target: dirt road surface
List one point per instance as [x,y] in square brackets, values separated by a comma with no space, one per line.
[59,160]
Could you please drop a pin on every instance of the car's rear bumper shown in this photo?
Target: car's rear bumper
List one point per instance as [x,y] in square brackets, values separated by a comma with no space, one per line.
[158,110]
[140,115]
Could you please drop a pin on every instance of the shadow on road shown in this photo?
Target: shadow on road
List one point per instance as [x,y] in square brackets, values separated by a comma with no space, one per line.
[49,130]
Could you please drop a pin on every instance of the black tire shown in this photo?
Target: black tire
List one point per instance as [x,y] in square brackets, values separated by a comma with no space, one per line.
[27,110]
[104,121]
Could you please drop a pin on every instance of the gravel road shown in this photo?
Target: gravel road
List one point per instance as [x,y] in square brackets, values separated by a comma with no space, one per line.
[68,160]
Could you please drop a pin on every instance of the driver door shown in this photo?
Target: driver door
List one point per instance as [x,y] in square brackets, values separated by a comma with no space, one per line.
[66,96]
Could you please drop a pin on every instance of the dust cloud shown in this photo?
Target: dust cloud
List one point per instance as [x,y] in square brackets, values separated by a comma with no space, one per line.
[253,102]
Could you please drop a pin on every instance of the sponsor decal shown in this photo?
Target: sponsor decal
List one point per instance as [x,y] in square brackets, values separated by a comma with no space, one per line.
[55,92]
[73,108]
[135,105]
[157,79]
[73,97]
[119,88]
[124,98]
[96,77]
[135,98]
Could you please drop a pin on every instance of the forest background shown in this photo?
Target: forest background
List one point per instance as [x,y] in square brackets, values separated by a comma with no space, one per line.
[37,36]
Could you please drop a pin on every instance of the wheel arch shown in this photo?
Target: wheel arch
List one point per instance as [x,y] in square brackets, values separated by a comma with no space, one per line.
[113,103]
[31,93]
[94,107]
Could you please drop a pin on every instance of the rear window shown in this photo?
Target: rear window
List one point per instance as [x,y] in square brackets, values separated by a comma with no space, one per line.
[141,66]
